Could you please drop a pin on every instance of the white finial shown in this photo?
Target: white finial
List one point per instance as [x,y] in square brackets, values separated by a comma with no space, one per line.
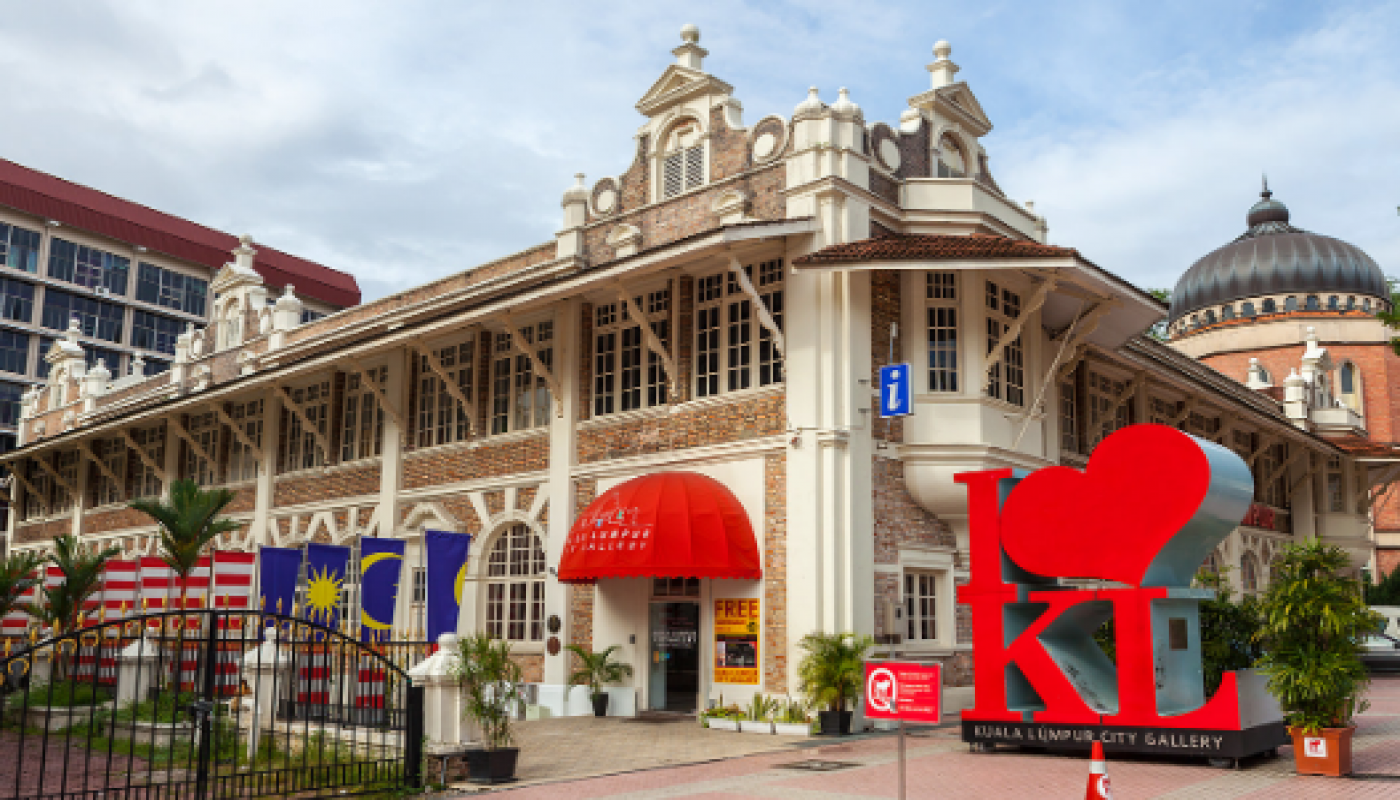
[74,329]
[942,70]
[690,54]
[813,103]
[138,365]
[843,105]
[578,193]
[1030,206]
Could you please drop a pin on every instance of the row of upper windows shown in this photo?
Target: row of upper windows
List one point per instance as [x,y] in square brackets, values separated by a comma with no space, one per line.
[15,356]
[1006,374]
[103,271]
[1270,305]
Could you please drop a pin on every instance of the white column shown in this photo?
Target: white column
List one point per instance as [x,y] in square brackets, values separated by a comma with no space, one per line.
[267,469]
[391,459]
[563,450]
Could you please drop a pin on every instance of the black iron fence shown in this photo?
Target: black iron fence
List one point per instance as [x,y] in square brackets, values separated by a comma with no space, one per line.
[203,704]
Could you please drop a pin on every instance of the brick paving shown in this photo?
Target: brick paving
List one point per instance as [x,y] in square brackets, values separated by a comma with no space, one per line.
[683,760]
[72,768]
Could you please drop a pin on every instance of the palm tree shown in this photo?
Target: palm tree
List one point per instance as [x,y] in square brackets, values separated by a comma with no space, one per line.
[81,568]
[188,523]
[18,574]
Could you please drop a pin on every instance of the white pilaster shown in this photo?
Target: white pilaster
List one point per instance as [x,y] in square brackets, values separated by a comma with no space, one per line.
[563,450]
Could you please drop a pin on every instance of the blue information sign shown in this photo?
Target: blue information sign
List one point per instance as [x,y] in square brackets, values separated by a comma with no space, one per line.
[895,397]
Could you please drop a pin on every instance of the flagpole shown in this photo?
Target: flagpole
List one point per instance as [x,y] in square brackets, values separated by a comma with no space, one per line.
[423,565]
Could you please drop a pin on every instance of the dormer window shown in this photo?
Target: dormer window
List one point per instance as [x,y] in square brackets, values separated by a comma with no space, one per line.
[1227,312]
[1247,309]
[683,167]
[1333,303]
[951,161]
[1291,304]
[1270,306]
[1313,304]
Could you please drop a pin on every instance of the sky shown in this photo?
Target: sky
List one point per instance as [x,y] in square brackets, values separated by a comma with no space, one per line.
[405,140]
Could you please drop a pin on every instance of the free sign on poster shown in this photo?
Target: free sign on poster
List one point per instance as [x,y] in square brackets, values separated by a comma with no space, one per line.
[901,690]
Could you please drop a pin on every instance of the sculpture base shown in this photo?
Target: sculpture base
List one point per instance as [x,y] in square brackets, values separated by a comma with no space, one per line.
[1203,743]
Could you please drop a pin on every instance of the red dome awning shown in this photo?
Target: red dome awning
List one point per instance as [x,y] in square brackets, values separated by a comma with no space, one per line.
[667,525]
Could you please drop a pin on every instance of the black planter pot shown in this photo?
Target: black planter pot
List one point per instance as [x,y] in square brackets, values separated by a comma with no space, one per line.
[600,705]
[835,723]
[492,766]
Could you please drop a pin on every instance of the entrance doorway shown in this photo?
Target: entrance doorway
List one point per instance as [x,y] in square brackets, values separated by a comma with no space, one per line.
[674,665]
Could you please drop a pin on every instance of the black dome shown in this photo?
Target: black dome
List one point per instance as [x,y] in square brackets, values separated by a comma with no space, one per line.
[1273,257]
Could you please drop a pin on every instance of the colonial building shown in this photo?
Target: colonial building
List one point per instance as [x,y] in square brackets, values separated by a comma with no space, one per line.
[1292,315]
[134,278]
[719,306]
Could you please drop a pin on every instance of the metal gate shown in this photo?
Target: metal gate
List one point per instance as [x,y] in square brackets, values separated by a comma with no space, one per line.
[205,704]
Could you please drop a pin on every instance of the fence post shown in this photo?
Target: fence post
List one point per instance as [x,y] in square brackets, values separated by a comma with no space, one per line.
[413,739]
[136,670]
[264,668]
[443,727]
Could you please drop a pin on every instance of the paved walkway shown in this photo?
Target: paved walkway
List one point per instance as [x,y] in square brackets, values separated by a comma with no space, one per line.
[660,760]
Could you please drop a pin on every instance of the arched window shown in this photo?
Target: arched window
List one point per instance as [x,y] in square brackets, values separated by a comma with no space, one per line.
[1313,304]
[952,162]
[1366,305]
[1247,308]
[1270,306]
[1349,383]
[1264,373]
[1291,304]
[1333,303]
[682,159]
[515,572]
[1249,573]
[1195,320]
[1210,317]
[1227,312]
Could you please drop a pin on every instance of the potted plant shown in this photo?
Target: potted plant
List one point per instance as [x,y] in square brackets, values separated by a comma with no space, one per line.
[831,672]
[793,718]
[1313,620]
[188,523]
[491,690]
[595,671]
[759,717]
[724,718]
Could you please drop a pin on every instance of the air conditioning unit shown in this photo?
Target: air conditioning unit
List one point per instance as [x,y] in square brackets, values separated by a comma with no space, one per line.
[102,291]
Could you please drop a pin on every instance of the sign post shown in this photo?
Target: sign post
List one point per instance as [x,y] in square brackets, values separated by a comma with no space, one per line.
[903,691]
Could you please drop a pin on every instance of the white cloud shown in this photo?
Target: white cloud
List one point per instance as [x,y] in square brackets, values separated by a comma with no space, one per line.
[402,141]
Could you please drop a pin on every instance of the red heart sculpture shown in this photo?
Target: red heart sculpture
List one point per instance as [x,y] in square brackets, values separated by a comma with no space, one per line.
[1151,505]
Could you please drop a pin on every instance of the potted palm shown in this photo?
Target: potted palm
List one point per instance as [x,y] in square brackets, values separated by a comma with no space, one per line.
[830,673]
[1313,620]
[596,670]
[492,689]
[188,523]
[19,572]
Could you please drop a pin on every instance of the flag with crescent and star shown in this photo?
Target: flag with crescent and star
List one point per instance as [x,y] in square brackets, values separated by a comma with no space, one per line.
[381,561]
[325,575]
[447,573]
[278,568]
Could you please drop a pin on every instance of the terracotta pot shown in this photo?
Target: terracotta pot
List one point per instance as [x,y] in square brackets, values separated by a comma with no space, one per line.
[1326,753]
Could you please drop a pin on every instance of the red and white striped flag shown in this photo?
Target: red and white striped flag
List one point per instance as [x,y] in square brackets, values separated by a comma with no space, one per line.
[16,623]
[155,583]
[233,579]
[119,595]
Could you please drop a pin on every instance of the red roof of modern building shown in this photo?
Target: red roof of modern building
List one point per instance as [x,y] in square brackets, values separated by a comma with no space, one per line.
[44,195]
[933,247]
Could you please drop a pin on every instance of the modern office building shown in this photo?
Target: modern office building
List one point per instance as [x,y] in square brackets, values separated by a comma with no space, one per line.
[134,278]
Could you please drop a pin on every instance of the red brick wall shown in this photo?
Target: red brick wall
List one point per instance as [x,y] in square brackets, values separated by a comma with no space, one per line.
[885,293]
[690,214]
[319,485]
[114,520]
[42,531]
[453,463]
[1387,560]
[775,642]
[747,418]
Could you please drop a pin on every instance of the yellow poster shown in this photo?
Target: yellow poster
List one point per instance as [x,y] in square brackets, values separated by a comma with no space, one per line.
[737,625]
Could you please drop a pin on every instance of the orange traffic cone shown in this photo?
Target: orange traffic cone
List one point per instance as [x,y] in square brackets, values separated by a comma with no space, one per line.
[1098,776]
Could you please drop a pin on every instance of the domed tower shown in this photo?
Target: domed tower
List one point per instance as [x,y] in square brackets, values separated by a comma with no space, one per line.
[1283,310]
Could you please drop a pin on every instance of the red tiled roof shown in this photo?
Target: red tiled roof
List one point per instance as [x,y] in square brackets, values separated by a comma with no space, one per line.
[46,196]
[1361,446]
[920,247]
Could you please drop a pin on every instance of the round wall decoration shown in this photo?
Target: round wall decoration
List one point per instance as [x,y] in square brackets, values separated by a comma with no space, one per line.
[889,154]
[552,646]
[553,623]
[764,146]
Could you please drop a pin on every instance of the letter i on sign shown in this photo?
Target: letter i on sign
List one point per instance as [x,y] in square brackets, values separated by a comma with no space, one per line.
[895,391]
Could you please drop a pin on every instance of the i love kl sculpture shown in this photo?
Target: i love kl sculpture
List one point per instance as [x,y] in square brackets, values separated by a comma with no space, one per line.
[1134,526]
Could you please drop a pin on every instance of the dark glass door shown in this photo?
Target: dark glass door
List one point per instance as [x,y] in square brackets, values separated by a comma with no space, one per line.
[674,680]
